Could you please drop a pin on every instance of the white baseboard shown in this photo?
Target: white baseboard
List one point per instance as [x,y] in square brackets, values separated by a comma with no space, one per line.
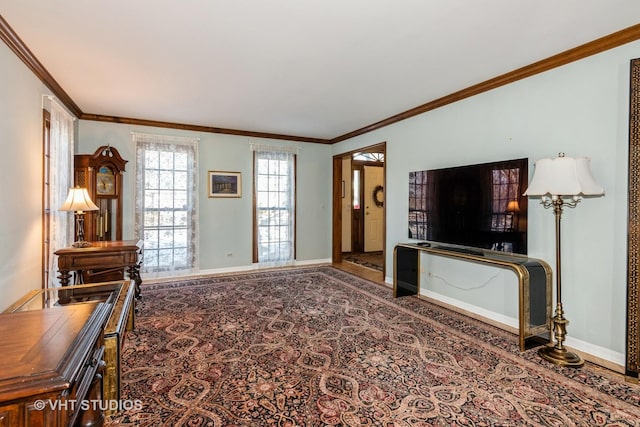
[600,355]
[597,354]
[151,278]
[314,261]
[511,323]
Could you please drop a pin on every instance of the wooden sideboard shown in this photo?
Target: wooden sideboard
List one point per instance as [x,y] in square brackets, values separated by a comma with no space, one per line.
[51,363]
[105,255]
[121,319]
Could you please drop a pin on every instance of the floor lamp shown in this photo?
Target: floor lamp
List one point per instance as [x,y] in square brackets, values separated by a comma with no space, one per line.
[561,182]
[78,201]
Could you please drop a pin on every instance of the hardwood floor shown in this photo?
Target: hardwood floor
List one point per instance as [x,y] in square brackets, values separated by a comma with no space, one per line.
[364,272]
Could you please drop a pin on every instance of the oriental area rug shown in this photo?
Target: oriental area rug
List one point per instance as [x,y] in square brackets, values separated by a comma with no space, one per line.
[319,347]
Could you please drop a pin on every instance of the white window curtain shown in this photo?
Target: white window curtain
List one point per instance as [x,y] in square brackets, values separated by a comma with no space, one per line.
[61,224]
[166,203]
[274,183]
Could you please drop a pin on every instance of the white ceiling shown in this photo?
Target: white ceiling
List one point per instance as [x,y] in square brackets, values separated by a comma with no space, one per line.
[311,68]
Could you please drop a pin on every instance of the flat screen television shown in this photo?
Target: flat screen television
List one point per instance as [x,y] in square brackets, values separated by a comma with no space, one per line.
[479,206]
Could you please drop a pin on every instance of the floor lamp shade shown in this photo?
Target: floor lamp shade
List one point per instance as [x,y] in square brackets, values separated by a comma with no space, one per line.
[562,182]
[564,176]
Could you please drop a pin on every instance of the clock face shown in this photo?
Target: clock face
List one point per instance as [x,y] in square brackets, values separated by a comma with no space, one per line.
[105,182]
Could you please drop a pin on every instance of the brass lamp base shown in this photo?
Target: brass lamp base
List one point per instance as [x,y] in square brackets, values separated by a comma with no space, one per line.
[560,356]
[81,244]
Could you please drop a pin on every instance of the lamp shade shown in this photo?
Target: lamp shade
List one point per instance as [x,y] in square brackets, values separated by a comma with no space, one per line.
[78,200]
[563,176]
[513,206]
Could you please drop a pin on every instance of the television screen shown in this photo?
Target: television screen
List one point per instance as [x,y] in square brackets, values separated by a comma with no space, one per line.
[478,205]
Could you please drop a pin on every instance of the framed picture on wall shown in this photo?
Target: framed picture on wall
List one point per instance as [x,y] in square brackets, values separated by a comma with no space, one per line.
[225,184]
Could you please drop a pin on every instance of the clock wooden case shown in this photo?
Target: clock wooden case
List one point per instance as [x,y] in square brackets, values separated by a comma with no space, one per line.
[101,174]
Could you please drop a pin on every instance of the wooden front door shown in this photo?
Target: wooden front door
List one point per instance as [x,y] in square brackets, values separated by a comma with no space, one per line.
[373,196]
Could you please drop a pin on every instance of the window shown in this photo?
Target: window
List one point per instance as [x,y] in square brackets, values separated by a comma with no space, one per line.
[166,202]
[506,183]
[274,219]
[47,253]
[57,166]
[419,201]
[369,157]
[356,189]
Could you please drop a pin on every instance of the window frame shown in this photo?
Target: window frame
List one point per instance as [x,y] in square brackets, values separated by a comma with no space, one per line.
[46,198]
[255,255]
[167,144]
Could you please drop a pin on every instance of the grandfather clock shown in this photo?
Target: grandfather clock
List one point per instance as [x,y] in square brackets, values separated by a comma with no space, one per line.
[101,174]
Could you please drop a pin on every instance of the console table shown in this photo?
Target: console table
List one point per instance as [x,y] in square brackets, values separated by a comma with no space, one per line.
[51,362]
[534,282]
[120,295]
[114,254]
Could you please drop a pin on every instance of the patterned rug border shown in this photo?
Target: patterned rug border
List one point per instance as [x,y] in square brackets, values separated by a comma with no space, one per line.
[596,381]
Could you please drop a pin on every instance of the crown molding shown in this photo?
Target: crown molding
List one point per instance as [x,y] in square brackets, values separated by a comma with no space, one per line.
[198,128]
[21,50]
[602,44]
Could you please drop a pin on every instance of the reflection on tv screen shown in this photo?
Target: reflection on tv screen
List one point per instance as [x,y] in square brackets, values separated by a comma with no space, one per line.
[478,205]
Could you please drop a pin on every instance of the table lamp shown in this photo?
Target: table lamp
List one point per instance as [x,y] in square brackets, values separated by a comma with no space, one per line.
[78,201]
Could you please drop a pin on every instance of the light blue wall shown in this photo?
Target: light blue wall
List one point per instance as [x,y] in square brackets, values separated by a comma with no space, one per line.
[580,109]
[21,174]
[226,224]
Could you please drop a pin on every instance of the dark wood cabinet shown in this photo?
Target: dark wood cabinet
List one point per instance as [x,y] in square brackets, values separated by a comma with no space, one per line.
[101,173]
[51,366]
[112,256]
[121,320]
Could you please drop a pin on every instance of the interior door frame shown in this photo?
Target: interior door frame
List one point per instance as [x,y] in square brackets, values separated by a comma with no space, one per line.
[336,253]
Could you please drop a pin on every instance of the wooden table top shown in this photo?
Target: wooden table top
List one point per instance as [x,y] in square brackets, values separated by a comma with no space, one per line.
[36,347]
[103,246]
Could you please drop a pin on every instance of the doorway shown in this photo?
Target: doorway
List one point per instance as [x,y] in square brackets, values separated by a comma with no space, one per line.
[359,208]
